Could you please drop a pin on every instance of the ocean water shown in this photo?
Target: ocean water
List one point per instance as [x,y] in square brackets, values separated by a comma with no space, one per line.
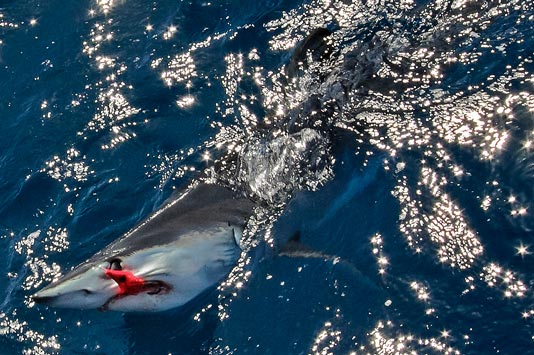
[402,156]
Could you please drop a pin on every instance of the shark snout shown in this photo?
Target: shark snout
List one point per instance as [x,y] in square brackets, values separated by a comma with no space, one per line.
[63,296]
[85,288]
[47,296]
[52,296]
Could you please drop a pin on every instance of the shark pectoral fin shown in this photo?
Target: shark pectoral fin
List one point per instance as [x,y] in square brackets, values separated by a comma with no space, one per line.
[237,234]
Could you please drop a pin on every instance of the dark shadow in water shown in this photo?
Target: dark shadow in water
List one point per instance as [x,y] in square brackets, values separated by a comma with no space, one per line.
[176,331]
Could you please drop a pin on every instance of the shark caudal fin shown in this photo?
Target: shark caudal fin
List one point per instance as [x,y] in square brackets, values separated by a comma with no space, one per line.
[308,67]
[315,45]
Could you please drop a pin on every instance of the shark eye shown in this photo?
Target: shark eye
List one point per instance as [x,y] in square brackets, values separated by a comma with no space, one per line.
[115,264]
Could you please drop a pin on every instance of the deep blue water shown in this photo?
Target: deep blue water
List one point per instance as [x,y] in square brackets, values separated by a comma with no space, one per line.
[409,172]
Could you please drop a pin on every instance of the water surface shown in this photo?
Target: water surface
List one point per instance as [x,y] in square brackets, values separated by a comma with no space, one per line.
[403,159]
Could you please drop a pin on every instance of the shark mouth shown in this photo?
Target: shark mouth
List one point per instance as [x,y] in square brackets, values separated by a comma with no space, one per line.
[131,285]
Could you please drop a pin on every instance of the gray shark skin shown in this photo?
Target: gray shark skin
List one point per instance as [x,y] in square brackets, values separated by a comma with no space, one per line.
[185,247]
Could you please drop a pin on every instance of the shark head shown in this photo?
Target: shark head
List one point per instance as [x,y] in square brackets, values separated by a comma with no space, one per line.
[139,282]
[183,249]
[147,280]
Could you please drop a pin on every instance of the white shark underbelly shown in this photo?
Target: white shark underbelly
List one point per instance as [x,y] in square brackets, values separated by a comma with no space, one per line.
[191,265]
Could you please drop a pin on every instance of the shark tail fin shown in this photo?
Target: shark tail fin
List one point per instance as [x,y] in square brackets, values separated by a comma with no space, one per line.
[315,45]
[310,59]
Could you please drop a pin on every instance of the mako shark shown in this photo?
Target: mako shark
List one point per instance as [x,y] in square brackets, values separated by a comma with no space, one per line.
[182,249]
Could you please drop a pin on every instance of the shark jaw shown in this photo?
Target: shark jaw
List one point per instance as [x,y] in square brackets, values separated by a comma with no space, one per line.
[131,285]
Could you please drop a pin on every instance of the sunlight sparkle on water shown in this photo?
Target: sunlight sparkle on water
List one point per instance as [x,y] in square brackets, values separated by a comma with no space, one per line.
[522,249]
[39,343]
[421,291]
[326,340]
[72,166]
[206,156]
[171,30]
[385,338]
[105,5]
[185,101]
[507,280]
[181,68]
